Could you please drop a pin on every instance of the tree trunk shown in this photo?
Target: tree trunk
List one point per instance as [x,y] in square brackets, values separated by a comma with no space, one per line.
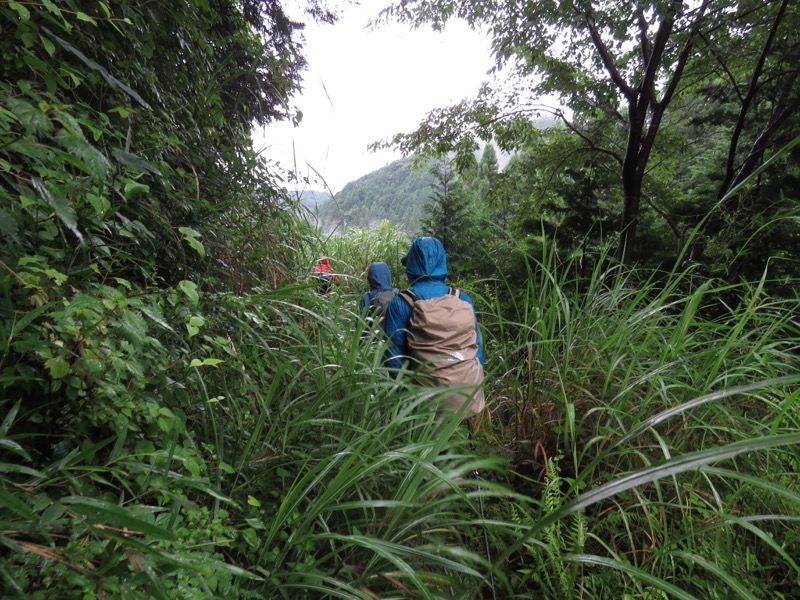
[632,190]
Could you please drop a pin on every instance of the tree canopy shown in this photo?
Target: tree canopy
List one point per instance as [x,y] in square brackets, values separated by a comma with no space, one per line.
[616,69]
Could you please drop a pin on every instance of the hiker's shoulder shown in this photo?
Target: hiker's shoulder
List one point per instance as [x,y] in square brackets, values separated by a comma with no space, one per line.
[450,290]
[429,289]
[464,295]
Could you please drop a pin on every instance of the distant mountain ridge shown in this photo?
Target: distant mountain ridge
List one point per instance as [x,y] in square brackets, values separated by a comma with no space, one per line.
[397,192]
[313,199]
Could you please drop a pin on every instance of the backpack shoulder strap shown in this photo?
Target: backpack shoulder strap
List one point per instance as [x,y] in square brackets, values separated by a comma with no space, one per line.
[409,297]
[454,292]
[383,294]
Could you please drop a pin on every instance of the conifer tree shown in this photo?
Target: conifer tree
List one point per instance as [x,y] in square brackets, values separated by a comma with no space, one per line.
[450,216]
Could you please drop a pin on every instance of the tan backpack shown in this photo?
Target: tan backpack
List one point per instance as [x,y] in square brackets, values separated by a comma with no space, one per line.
[442,339]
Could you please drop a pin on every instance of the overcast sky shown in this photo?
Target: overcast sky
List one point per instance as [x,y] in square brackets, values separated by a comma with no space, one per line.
[363,85]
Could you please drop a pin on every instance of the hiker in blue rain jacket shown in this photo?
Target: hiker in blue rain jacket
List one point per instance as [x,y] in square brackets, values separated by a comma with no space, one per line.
[379,278]
[426,267]
[372,306]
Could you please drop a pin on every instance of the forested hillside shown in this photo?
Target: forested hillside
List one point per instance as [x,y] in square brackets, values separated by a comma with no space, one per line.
[187,412]
[397,193]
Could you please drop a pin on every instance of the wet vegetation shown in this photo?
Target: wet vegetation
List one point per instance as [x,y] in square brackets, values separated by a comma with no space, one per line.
[184,415]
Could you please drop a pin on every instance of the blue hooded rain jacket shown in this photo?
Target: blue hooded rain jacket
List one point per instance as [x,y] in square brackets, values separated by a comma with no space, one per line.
[426,267]
[379,277]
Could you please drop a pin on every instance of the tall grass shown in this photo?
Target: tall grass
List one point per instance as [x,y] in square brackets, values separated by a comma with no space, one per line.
[351,254]
[626,392]
[641,441]
[355,488]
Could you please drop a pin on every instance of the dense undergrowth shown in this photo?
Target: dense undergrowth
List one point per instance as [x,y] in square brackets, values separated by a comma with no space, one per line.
[641,441]
[183,415]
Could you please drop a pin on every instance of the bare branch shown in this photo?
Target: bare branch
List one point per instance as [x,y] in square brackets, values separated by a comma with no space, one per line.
[731,77]
[664,214]
[577,131]
[782,110]
[643,39]
[748,99]
[605,56]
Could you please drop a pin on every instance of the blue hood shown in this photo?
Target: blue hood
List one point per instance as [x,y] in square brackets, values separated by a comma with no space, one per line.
[379,276]
[426,259]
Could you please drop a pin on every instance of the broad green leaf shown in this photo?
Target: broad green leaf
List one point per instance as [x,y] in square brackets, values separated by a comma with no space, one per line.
[59,204]
[206,362]
[124,113]
[154,313]
[15,468]
[49,47]
[192,466]
[253,501]
[28,318]
[76,161]
[134,328]
[96,163]
[93,65]
[21,10]
[131,160]
[256,523]
[56,276]
[14,447]
[32,150]
[50,5]
[58,367]
[191,236]
[105,513]
[70,122]
[80,302]
[197,246]
[8,421]
[190,289]
[100,204]
[134,190]
[51,514]
[84,17]
[31,117]
[28,38]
